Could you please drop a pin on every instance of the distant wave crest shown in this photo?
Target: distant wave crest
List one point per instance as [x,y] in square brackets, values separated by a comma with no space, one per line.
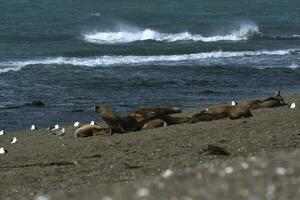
[243,33]
[137,60]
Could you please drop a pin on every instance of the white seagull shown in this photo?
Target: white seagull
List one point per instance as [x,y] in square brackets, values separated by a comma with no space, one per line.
[14,140]
[293,105]
[33,127]
[2,132]
[92,123]
[76,124]
[52,128]
[3,151]
[234,103]
[62,132]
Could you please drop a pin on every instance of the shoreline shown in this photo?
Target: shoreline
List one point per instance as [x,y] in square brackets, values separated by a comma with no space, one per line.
[78,168]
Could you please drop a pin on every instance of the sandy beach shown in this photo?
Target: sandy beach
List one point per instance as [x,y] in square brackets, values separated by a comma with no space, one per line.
[164,163]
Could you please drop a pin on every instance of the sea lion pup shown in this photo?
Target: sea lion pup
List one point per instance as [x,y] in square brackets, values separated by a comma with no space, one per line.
[156,123]
[143,113]
[91,130]
[121,124]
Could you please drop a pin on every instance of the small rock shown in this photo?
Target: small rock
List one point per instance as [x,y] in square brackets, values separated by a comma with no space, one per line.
[143,192]
[167,173]
[280,171]
[214,150]
[36,103]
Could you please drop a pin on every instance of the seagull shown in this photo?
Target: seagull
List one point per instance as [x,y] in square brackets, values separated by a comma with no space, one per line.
[234,103]
[2,132]
[293,105]
[3,151]
[62,132]
[76,124]
[33,127]
[14,140]
[52,128]
[92,123]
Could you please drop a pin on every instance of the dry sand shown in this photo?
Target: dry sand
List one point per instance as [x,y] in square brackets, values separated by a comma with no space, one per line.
[264,161]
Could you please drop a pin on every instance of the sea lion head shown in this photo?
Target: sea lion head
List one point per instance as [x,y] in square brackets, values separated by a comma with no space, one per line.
[101,109]
[278,96]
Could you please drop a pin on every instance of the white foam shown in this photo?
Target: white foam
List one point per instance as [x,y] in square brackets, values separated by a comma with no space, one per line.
[292,66]
[243,33]
[136,60]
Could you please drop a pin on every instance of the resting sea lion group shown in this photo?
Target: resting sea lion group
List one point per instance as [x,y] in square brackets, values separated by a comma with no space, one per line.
[154,117]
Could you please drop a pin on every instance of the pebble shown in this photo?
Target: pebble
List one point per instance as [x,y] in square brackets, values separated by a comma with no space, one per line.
[167,173]
[280,171]
[143,192]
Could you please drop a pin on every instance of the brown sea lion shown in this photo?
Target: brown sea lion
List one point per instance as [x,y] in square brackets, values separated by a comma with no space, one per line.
[121,124]
[92,130]
[233,112]
[203,116]
[275,101]
[143,113]
[170,120]
[156,123]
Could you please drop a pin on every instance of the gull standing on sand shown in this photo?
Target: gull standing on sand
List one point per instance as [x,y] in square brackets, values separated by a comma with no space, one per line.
[14,140]
[293,105]
[52,128]
[62,132]
[33,127]
[92,123]
[234,103]
[2,132]
[3,151]
[76,124]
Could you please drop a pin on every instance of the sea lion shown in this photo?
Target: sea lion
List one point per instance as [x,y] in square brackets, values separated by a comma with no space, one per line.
[233,112]
[122,124]
[270,102]
[156,123]
[203,116]
[92,130]
[174,120]
[143,113]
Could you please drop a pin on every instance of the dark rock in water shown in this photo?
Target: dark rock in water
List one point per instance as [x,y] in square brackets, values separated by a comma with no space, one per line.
[76,110]
[214,150]
[35,103]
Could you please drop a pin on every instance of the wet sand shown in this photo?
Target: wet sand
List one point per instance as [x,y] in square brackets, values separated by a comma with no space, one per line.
[263,161]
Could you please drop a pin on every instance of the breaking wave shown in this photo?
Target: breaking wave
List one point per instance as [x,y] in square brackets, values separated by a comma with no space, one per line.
[243,33]
[137,60]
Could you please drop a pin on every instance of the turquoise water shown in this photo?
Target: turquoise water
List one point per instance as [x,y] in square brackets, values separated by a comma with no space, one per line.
[74,54]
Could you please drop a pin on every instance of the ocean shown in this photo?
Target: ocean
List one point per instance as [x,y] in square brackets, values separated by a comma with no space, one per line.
[126,54]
